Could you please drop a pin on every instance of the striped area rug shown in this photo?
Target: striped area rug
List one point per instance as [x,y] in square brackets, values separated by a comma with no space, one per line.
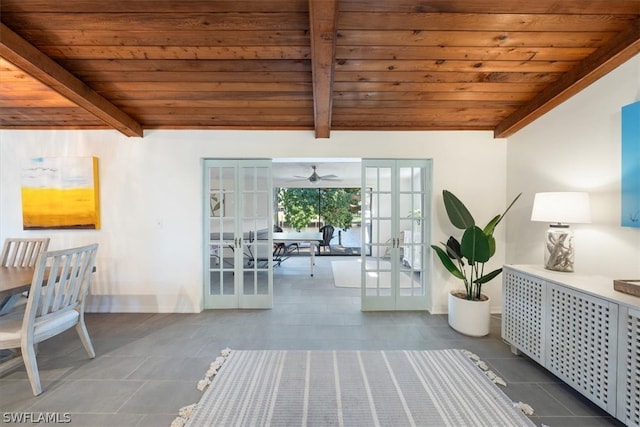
[353,388]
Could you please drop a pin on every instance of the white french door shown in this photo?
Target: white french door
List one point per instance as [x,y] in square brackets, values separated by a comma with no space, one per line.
[396,216]
[238,234]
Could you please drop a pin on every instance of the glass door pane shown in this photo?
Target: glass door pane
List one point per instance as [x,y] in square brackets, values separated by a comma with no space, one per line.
[257,240]
[411,193]
[380,244]
[395,274]
[238,228]
[221,222]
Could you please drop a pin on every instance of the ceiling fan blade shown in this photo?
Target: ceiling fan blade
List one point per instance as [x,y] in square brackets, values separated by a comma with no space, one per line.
[315,177]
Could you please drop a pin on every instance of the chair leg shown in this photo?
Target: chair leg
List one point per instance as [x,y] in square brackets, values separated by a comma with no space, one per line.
[81,328]
[31,365]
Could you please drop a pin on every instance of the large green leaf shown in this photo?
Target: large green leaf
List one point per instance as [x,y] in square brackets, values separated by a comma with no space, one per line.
[447,263]
[453,248]
[491,226]
[454,251]
[487,277]
[458,214]
[492,246]
[475,245]
[496,220]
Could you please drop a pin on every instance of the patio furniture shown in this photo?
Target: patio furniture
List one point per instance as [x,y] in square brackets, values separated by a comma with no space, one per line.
[311,237]
[327,235]
[283,250]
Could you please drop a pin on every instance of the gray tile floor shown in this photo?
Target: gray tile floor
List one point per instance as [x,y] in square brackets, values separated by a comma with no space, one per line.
[148,364]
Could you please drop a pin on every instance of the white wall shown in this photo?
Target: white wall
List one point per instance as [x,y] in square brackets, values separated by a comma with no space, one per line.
[150,241]
[576,147]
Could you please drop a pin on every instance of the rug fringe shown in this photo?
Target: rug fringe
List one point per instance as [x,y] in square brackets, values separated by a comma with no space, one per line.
[186,411]
[183,415]
[523,407]
[178,422]
[484,367]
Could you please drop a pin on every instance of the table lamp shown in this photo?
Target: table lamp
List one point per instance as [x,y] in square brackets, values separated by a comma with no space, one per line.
[560,209]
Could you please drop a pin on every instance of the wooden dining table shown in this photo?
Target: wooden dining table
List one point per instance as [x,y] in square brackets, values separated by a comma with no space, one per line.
[15,280]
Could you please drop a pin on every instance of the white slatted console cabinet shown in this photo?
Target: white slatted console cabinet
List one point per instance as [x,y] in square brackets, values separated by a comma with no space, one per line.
[580,329]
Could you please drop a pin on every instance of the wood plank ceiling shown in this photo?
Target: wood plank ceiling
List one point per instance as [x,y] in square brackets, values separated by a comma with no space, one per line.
[324,65]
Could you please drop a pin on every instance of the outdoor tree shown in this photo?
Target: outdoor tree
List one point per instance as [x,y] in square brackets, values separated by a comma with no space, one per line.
[300,206]
[334,206]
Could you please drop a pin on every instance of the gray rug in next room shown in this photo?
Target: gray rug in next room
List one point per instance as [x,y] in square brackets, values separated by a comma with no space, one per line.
[347,274]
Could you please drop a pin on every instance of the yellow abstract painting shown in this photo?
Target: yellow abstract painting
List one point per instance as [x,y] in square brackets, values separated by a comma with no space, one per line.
[60,193]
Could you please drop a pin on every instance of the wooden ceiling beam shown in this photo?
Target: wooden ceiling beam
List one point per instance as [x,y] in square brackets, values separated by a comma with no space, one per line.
[605,59]
[323,23]
[27,57]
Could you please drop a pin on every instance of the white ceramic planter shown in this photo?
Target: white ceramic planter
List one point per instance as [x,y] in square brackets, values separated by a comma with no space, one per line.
[471,318]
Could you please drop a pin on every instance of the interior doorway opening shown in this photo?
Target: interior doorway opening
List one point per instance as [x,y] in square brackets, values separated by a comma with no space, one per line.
[243,246]
[334,212]
[320,194]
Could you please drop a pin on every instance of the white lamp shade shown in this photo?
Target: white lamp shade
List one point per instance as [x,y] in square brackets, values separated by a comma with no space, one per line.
[561,207]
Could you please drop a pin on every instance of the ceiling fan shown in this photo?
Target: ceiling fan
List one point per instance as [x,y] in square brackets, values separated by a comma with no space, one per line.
[314,177]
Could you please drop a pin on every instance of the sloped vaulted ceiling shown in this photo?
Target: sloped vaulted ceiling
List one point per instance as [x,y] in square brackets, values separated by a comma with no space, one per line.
[324,65]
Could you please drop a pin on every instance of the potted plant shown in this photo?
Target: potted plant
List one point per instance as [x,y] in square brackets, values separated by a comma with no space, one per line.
[465,259]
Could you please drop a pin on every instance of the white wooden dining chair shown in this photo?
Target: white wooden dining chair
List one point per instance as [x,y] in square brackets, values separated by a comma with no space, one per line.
[20,252]
[56,303]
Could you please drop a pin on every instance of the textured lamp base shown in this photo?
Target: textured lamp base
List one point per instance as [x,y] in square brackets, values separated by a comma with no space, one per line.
[558,251]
